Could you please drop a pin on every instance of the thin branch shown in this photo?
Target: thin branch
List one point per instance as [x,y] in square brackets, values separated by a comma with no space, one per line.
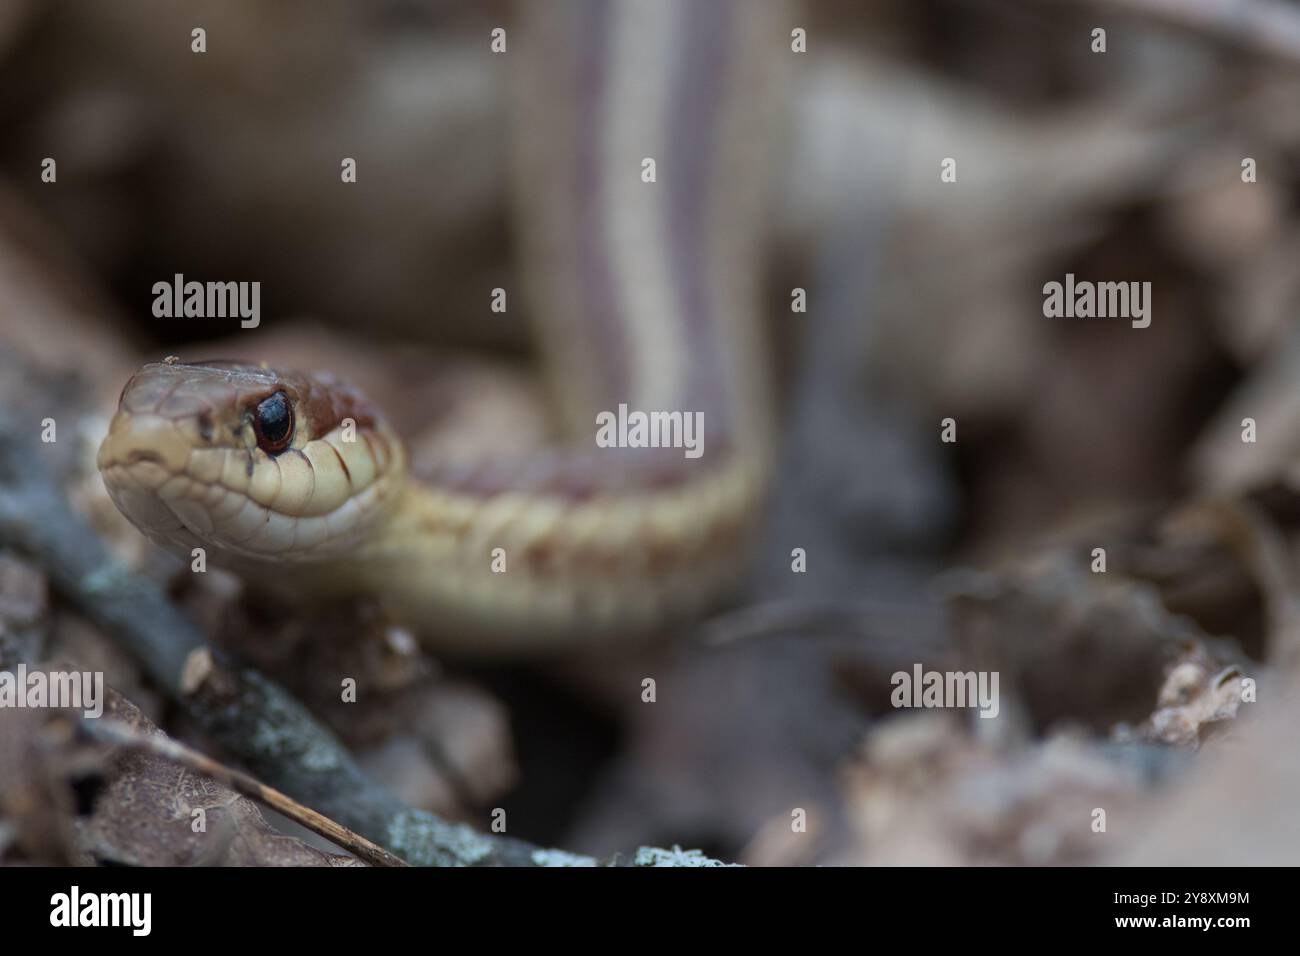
[119,734]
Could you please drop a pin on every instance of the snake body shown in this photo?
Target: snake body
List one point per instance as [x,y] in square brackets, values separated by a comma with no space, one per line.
[644,294]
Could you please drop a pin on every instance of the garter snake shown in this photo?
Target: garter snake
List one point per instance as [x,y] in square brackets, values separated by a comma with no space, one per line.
[645,293]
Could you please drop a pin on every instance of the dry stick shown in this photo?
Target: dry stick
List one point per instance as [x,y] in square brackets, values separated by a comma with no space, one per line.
[119,734]
[255,721]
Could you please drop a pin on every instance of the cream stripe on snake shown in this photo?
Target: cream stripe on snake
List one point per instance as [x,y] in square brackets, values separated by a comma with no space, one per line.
[643,41]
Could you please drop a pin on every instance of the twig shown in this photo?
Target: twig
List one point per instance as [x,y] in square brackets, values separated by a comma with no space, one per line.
[119,734]
[253,720]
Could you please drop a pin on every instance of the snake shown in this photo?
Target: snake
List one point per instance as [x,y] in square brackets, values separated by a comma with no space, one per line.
[644,294]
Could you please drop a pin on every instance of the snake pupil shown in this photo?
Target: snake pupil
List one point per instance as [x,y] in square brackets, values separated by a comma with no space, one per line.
[274,423]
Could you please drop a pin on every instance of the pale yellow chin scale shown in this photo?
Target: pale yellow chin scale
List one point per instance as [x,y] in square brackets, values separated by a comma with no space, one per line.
[313,502]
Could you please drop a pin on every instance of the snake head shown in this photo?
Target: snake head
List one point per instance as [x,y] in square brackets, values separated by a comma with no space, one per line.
[249,461]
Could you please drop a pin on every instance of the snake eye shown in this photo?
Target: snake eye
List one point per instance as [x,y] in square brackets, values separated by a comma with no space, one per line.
[273,423]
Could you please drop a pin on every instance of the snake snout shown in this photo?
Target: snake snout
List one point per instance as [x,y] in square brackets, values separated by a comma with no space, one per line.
[150,448]
[139,455]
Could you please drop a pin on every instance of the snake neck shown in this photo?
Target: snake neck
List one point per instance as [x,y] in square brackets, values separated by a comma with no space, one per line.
[522,571]
[638,185]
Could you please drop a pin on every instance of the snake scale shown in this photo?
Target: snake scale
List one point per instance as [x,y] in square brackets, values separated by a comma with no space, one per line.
[642,293]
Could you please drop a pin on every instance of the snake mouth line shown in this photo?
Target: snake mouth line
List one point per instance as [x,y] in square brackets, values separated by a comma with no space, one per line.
[186,505]
[136,457]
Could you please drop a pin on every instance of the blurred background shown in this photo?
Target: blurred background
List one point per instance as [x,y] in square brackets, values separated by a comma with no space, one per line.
[1120,690]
